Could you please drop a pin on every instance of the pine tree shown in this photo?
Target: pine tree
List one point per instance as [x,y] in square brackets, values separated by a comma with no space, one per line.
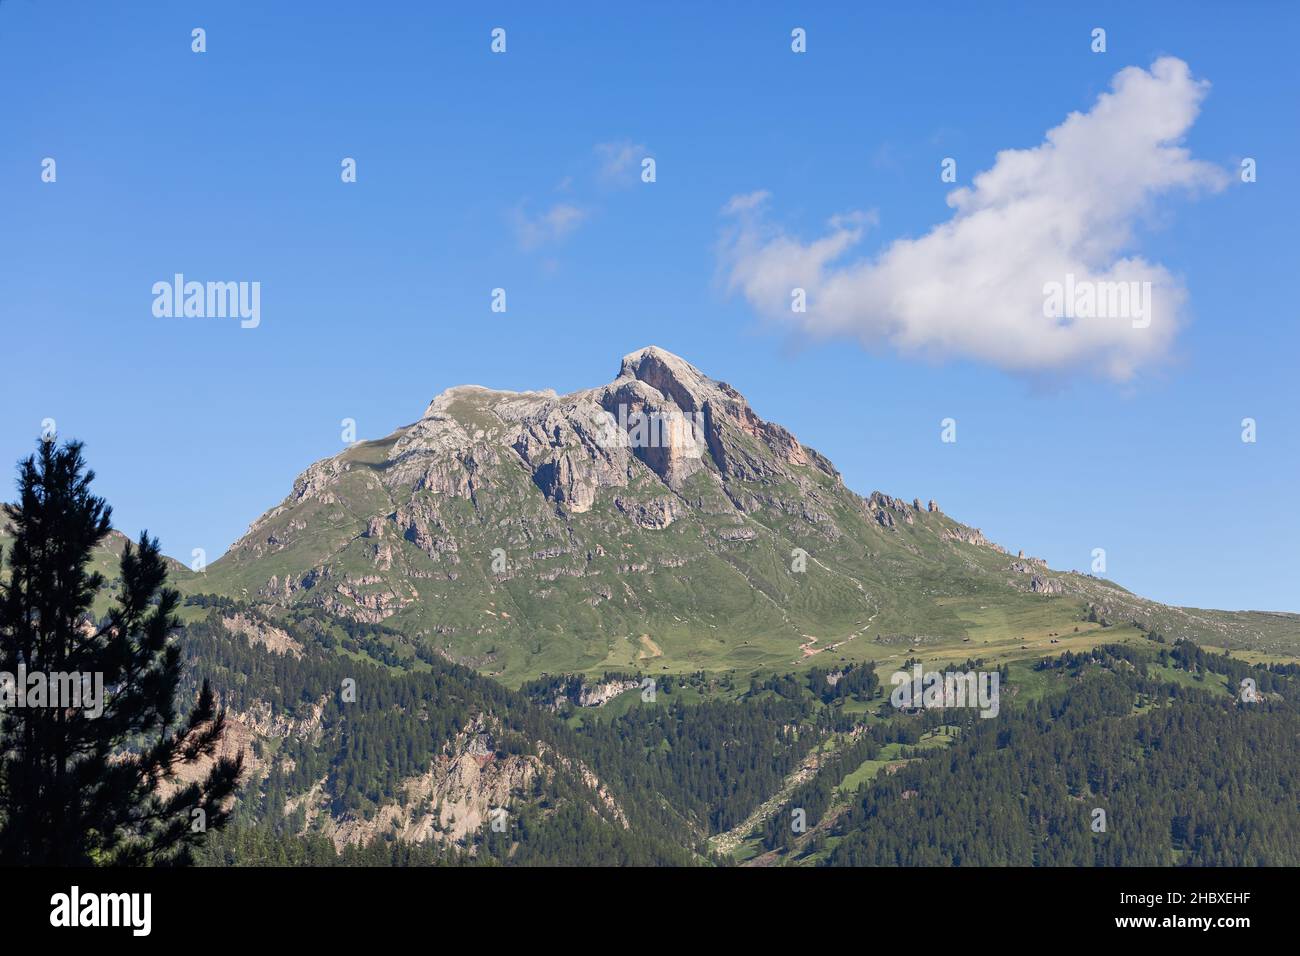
[78,788]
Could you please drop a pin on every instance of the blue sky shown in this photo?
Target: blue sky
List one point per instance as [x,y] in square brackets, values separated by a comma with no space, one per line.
[478,171]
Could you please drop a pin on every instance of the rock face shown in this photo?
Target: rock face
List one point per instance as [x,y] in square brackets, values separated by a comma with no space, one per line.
[257,722]
[886,509]
[262,632]
[465,790]
[1042,585]
[660,412]
[657,513]
[577,691]
[971,536]
[456,797]
[598,695]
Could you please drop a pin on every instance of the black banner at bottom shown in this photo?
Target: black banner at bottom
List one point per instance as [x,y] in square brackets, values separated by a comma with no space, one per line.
[335,905]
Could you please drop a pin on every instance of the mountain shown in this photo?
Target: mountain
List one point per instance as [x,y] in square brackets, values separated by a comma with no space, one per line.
[657,523]
[435,650]
[106,560]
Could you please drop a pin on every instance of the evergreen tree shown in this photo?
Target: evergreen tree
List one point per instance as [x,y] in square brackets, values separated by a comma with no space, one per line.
[78,787]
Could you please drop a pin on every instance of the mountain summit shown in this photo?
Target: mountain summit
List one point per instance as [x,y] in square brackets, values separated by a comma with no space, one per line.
[656,523]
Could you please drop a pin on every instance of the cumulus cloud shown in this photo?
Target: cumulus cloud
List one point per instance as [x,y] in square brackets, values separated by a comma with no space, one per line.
[549,226]
[977,285]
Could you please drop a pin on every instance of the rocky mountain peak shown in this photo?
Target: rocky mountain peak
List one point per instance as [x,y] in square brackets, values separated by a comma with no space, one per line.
[670,375]
[628,449]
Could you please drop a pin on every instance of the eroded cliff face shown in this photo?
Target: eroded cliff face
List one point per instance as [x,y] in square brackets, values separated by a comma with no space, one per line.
[246,732]
[274,639]
[465,790]
[456,797]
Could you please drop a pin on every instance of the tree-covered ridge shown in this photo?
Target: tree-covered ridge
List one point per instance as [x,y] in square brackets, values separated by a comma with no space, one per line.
[397,725]
[1154,734]
[676,772]
[1185,774]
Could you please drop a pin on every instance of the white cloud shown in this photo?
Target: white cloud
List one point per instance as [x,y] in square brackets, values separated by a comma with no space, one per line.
[547,227]
[619,162]
[746,202]
[974,286]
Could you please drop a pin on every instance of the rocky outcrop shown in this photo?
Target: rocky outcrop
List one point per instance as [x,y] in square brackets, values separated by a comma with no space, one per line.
[244,730]
[598,695]
[1028,565]
[467,788]
[258,631]
[259,718]
[658,513]
[970,536]
[572,451]
[704,418]
[886,509]
[577,691]
[1041,585]
[455,797]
